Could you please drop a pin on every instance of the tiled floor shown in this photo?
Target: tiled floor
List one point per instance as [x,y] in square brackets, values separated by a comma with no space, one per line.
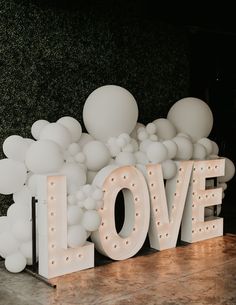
[203,273]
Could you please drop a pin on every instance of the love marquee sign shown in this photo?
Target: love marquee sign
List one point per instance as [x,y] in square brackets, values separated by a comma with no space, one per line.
[151,208]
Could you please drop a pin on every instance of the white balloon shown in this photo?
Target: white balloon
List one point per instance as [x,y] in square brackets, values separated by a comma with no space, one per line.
[97,155]
[157,152]
[165,129]
[192,116]
[71,199]
[74,215]
[29,141]
[15,147]
[84,139]
[74,173]
[110,111]
[169,169]
[56,133]
[151,128]
[37,128]
[13,175]
[135,145]
[215,148]
[74,148]
[91,220]
[90,203]
[144,145]
[229,171]
[15,262]
[32,184]
[17,212]
[76,236]
[125,158]
[171,148]
[4,224]
[8,244]
[143,135]
[73,126]
[141,157]
[113,147]
[134,134]
[23,196]
[44,156]
[22,230]
[207,143]
[80,195]
[185,148]
[199,151]
[97,194]
[80,157]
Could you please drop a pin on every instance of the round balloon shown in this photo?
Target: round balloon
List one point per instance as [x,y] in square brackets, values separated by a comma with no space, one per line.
[15,262]
[165,129]
[73,126]
[229,171]
[185,148]
[110,111]
[97,155]
[157,152]
[37,128]
[13,175]
[44,156]
[56,133]
[192,116]
[15,147]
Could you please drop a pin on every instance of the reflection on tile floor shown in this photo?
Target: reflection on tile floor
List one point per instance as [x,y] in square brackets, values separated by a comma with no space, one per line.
[203,273]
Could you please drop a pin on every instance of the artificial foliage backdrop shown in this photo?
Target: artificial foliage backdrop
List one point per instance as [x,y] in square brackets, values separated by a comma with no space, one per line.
[52,58]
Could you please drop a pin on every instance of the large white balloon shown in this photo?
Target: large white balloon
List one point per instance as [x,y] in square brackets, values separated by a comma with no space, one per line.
[17,212]
[13,175]
[15,262]
[110,111]
[73,126]
[56,133]
[44,156]
[37,128]
[4,224]
[165,129]
[15,147]
[22,230]
[185,148]
[97,155]
[207,143]
[23,196]
[192,116]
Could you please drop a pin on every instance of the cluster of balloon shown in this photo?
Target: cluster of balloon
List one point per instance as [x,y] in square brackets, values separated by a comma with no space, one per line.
[114,137]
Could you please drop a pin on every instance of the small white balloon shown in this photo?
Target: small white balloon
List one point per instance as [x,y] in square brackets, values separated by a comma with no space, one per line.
[97,194]
[74,148]
[84,139]
[4,224]
[74,215]
[199,152]
[76,236]
[144,145]
[110,111]
[113,147]
[56,133]
[157,152]
[13,175]
[192,116]
[22,230]
[165,129]
[215,148]
[15,147]
[134,133]
[91,220]
[44,156]
[207,143]
[37,128]
[151,128]
[169,169]
[128,148]
[97,155]
[73,126]
[125,158]
[90,203]
[80,157]
[15,262]
[8,244]
[229,171]
[142,135]
[141,158]
[171,148]
[185,148]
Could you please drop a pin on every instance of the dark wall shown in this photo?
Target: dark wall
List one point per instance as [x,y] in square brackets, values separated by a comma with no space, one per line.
[53,55]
